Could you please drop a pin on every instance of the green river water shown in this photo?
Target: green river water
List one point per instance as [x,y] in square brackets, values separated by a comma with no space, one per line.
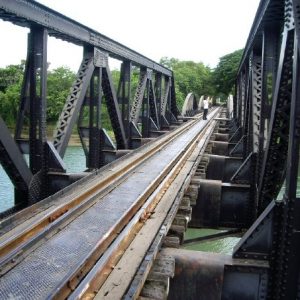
[220,245]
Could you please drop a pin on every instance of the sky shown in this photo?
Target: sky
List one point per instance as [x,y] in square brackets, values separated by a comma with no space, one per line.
[197,30]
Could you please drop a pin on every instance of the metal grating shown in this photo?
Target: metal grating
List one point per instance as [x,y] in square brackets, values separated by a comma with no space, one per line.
[45,268]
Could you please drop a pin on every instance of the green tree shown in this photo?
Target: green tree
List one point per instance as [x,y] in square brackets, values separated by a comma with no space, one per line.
[11,75]
[59,82]
[225,73]
[189,77]
[11,79]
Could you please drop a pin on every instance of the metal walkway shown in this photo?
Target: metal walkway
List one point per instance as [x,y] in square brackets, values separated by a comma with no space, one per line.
[51,265]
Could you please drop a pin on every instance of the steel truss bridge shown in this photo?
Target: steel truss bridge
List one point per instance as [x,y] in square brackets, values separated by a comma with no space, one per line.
[114,231]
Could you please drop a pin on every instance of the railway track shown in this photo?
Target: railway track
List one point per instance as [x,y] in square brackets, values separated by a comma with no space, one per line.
[69,245]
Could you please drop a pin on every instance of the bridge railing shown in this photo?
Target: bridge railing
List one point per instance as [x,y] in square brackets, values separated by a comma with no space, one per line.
[133,116]
[267,111]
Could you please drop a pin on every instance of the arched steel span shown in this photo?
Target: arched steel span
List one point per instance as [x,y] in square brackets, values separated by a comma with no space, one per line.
[191,106]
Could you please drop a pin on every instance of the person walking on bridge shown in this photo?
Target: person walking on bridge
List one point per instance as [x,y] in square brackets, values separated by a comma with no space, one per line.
[205,107]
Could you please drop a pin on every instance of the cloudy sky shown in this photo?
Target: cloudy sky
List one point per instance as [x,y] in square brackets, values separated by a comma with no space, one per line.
[198,30]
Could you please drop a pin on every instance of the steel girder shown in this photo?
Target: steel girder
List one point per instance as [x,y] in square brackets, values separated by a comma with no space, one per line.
[92,61]
[269,12]
[14,163]
[190,106]
[37,113]
[153,105]
[139,96]
[27,13]
[73,103]
[144,105]
[124,93]
[112,103]
[274,162]
[166,102]
[100,87]
[37,92]
[256,81]
[274,237]
[256,101]
[285,259]
[92,87]
[158,93]
[174,112]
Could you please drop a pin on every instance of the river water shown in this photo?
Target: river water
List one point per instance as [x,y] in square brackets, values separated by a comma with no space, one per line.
[75,162]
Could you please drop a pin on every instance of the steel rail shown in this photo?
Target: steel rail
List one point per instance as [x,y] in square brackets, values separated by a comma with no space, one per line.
[23,239]
[28,13]
[94,280]
[81,268]
[139,215]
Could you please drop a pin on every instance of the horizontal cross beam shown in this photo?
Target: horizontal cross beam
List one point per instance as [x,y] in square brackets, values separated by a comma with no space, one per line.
[268,12]
[27,13]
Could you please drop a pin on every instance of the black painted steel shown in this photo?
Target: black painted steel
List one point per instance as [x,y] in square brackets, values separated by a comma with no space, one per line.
[14,163]
[27,13]
[273,168]
[271,58]
[73,103]
[124,94]
[285,260]
[131,121]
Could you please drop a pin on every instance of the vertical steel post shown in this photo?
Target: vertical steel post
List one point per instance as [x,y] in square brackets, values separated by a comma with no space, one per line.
[124,94]
[38,83]
[270,39]
[158,94]
[95,159]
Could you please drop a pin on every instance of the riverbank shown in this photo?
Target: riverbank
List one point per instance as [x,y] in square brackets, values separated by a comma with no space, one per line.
[74,139]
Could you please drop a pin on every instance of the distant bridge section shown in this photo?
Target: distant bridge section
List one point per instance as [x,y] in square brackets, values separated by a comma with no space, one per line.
[192,106]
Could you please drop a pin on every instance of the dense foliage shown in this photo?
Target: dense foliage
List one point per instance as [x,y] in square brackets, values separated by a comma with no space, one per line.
[225,73]
[59,82]
[11,79]
[189,77]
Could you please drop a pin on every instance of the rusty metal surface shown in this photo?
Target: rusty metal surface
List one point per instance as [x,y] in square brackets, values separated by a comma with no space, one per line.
[207,210]
[222,167]
[234,206]
[53,262]
[198,275]
[215,168]
[223,137]
[220,148]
